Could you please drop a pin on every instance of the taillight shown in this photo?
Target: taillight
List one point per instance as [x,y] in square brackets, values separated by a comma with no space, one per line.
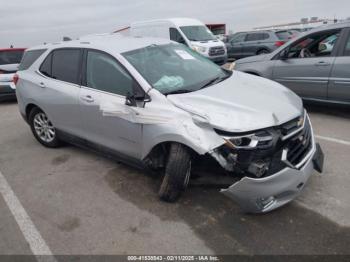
[279,43]
[15,79]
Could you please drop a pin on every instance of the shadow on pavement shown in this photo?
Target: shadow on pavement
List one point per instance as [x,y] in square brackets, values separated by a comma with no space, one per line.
[225,229]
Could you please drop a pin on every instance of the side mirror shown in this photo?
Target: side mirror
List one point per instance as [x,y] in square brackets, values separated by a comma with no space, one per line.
[182,41]
[134,99]
[284,55]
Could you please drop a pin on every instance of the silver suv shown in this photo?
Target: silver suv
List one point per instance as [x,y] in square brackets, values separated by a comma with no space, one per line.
[157,104]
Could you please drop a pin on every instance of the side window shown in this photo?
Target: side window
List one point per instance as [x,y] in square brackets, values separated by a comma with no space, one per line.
[253,37]
[29,58]
[104,73]
[45,67]
[176,36]
[315,45]
[65,65]
[237,38]
[265,36]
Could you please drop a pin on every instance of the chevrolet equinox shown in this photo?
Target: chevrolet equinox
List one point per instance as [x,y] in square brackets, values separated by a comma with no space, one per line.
[157,104]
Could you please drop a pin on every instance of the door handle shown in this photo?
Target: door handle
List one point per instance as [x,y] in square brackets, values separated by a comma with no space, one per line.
[42,85]
[88,99]
[322,63]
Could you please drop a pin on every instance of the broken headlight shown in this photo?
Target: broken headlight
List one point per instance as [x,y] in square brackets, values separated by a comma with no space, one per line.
[249,141]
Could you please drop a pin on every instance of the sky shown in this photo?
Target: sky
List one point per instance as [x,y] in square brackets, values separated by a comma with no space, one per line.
[27,23]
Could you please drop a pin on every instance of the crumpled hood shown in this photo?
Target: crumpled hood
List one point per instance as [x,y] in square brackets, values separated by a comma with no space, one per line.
[242,103]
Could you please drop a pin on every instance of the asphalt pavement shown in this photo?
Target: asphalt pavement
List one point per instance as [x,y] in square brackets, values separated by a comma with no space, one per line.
[80,202]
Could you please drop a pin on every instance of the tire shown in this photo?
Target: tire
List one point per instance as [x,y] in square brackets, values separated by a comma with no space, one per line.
[42,128]
[263,52]
[177,173]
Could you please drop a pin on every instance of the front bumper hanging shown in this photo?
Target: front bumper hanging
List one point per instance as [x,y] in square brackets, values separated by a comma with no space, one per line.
[265,194]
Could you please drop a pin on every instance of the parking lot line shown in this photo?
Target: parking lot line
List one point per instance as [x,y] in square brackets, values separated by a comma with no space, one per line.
[335,140]
[36,242]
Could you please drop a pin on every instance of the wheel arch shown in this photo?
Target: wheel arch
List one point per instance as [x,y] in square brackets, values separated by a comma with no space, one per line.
[263,49]
[158,154]
[29,108]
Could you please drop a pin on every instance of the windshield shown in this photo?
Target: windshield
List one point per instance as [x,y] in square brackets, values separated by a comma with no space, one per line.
[11,57]
[174,68]
[197,33]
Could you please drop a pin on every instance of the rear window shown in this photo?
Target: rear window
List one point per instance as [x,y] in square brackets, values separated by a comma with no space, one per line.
[65,65]
[283,35]
[11,57]
[256,36]
[62,64]
[29,58]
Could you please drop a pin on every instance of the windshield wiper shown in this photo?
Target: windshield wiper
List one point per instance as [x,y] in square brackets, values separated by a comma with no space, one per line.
[179,91]
[215,80]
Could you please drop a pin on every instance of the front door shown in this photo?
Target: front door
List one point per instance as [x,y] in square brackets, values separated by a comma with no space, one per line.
[234,46]
[105,85]
[307,67]
[339,82]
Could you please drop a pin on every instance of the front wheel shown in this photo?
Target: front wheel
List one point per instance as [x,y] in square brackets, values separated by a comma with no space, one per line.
[177,173]
[43,129]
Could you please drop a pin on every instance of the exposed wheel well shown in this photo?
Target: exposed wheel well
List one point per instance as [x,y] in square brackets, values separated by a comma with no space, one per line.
[262,49]
[29,108]
[158,155]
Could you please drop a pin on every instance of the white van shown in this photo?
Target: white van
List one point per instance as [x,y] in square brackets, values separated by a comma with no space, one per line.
[190,32]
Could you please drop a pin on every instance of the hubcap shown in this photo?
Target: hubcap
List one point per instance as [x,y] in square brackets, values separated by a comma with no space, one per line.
[44,128]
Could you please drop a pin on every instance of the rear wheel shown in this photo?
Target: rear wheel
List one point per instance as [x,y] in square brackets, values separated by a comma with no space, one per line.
[177,173]
[43,129]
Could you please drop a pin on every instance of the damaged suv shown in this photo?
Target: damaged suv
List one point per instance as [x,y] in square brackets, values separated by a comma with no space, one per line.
[157,104]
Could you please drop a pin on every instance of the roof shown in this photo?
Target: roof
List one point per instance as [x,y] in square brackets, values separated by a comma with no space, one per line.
[179,21]
[332,26]
[116,42]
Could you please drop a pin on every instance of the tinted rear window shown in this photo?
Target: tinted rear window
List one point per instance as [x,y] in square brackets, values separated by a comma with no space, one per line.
[45,67]
[10,57]
[29,58]
[256,36]
[283,35]
[65,65]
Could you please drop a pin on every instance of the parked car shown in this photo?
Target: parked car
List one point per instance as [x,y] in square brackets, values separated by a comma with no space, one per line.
[294,33]
[246,44]
[316,65]
[187,31]
[9,61]
[158,104]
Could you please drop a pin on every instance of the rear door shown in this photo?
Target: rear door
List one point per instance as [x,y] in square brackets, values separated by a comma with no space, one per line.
[339,82]
[57,89]
[307,69]
[251,44]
